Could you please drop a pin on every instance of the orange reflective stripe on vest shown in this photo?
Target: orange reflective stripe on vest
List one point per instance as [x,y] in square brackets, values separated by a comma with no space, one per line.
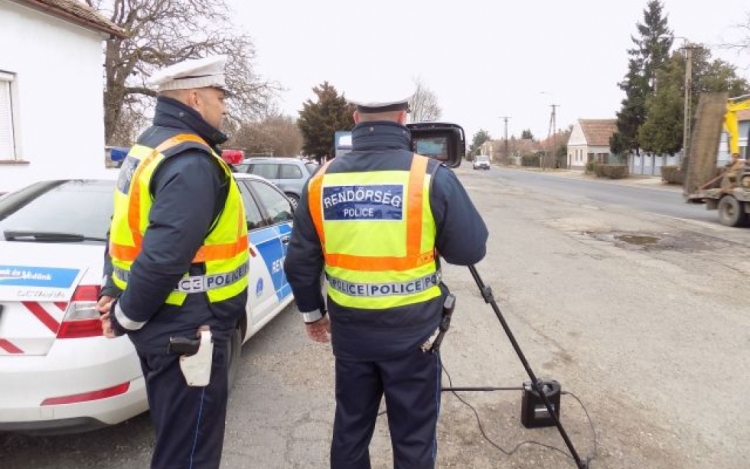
[134,213]
[205,253]
[414,257]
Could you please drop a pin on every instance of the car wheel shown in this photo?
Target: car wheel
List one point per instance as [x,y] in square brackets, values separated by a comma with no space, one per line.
[293,198]
[731,211]
[233,357]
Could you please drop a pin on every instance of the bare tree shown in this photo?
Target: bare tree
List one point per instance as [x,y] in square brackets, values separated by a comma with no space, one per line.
[423,103]
[742,43]
[163,32]
[133,122]
[275,135]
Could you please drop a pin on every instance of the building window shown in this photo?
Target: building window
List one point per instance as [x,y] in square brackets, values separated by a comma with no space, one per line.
[7,123]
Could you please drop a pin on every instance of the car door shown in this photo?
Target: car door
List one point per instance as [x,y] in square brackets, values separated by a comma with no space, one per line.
[291,179]
[264,244]
[279,214]
[267,170]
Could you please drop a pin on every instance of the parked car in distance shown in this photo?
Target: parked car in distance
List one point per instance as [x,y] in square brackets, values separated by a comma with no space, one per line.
[58,373]
[287,173]
[482,162]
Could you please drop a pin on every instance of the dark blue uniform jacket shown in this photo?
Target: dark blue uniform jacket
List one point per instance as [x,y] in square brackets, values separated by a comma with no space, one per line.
[189,190]
[461,239]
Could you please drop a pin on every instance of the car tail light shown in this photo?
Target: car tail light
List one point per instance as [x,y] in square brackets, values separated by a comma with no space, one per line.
[88,396]
[81,317]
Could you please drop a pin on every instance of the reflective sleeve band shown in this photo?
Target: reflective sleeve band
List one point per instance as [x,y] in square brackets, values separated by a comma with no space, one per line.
[125,321]
[385,289]
[312,316]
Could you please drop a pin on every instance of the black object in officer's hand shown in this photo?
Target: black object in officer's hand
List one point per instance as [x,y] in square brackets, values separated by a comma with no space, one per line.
[445,321]
[442,141]
[183,345]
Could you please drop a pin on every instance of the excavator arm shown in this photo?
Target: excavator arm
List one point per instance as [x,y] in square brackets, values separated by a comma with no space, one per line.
[731,124]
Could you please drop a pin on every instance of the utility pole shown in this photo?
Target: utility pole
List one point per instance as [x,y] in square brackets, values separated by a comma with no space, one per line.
[505,118]
[553,131]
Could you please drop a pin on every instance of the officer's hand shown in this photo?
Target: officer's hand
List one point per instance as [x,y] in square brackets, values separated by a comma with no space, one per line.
[107,326]
[319,330]
[104,304]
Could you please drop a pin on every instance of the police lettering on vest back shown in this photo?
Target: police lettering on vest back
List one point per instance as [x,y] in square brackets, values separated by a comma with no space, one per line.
[372,202]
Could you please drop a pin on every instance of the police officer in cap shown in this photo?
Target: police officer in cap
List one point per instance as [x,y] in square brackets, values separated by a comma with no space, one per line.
[177,262]
[376,219]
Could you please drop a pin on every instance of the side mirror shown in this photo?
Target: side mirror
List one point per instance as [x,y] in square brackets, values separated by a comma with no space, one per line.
[442,141]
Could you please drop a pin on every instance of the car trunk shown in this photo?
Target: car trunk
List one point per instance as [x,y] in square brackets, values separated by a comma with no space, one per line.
[37,283]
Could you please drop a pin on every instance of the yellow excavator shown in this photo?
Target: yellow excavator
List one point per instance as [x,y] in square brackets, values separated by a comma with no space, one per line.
[725,189]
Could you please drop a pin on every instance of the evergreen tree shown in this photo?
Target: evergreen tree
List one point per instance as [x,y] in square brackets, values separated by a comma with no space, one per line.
[479,138]
[319,120]
[661,133]
[663,130]
[649,55]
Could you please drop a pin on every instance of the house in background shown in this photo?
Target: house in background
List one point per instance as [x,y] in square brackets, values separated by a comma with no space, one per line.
[51,85]
[589,141]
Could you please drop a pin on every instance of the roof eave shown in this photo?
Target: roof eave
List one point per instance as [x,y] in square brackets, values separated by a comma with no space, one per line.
[111,31]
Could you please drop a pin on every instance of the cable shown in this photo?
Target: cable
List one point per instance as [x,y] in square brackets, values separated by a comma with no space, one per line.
[527,442]
[591,424]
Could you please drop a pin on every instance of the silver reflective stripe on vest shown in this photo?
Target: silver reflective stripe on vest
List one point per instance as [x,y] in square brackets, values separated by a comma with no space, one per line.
[384,289]
[198,283]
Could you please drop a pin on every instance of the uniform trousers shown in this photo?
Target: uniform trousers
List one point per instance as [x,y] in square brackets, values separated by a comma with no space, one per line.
[411,386]
[189,421]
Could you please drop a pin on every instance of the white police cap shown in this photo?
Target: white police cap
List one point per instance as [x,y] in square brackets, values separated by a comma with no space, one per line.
[380,95]
[207,72]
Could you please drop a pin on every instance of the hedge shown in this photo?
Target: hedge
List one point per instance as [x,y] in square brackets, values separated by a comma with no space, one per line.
[672,175]
[611,171]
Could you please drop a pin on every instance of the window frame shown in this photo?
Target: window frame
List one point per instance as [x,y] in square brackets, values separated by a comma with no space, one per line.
[252,183]
[15,153]
[246,188]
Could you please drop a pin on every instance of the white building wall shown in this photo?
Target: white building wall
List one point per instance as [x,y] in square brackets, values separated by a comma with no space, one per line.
[57,93]
[577,137]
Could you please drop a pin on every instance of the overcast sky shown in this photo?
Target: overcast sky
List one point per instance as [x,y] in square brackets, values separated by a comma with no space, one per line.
[483,59]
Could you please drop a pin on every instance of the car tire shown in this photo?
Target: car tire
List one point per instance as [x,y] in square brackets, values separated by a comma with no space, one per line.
[293,198]
[233,358]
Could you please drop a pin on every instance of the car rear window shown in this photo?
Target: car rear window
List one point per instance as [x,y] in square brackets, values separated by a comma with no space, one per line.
[80,207]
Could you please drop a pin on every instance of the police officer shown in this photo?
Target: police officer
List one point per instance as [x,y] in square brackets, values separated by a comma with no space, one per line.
[178,258]
[375,219]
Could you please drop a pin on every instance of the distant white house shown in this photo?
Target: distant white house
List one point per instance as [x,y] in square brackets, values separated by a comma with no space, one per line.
[51,84]
[589,141]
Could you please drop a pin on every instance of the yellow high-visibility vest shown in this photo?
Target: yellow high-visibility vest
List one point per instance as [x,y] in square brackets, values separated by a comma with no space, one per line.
[224,250]
[378,236]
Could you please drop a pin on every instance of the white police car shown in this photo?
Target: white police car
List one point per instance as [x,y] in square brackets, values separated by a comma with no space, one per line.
[57,372]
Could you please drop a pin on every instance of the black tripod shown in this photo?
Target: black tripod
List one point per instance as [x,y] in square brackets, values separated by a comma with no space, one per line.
[488,298]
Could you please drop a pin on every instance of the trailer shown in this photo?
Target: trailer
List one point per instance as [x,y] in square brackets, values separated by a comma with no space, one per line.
[725,189]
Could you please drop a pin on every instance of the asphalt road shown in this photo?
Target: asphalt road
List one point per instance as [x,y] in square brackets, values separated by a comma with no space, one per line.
[644,317]
[658,198]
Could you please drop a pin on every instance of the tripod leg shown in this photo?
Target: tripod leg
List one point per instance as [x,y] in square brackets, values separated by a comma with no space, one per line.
[488,298]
